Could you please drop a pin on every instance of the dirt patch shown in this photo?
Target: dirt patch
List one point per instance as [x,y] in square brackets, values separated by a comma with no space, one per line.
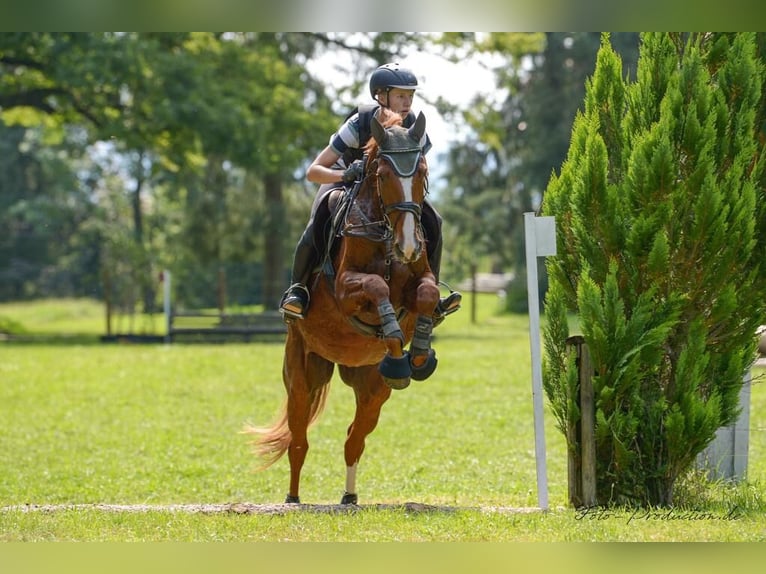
[267,509]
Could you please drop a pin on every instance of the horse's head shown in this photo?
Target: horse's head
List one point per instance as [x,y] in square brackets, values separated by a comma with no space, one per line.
[402,182]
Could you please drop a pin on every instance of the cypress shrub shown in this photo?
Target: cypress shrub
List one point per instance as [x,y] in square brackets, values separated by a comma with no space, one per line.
[659,212]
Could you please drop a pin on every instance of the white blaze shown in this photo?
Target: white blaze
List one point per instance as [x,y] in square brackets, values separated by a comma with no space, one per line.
[410,243]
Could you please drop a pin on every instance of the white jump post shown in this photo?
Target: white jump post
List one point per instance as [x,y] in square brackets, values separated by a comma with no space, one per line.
[540,239]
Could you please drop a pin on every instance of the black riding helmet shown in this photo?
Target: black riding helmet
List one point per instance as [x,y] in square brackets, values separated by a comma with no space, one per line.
[390,76]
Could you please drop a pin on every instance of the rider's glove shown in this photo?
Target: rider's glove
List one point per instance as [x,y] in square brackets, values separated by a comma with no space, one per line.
[354,172]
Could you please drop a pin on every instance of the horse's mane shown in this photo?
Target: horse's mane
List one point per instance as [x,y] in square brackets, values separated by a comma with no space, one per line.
[387,118]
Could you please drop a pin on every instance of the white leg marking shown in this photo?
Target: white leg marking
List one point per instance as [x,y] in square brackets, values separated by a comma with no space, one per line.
[351,479]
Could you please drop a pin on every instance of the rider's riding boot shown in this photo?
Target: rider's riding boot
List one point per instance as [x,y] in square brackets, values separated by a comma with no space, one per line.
[295,301]
[451,302]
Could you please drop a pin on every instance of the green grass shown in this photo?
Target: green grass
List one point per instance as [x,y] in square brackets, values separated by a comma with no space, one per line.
[160,424]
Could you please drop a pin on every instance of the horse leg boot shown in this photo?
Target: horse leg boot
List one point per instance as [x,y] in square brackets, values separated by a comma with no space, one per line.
[422,357]
[295,301]
[395,370]
[432,224]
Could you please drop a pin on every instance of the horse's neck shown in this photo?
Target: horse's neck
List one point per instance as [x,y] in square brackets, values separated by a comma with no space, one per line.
[367,200]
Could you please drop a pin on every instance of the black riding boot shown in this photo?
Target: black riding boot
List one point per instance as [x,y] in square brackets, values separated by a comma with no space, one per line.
[295,301]
[432,227]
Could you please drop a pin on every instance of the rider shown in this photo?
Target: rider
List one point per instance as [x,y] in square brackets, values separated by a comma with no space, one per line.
[339,164]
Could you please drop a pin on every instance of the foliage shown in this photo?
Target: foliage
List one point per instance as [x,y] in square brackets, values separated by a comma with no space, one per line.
[520,135]
[658,207]
[159,140]
[144,151]
[190,147]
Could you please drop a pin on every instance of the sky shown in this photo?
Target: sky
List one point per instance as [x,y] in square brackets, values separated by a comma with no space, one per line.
[456,82]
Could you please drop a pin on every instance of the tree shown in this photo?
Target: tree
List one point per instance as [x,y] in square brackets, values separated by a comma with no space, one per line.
[522,136]
[658,208]
[192,116]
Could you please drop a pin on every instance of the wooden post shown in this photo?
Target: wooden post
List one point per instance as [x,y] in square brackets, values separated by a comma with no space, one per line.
[166,305]
[107,280]
[474,292]
[581,443]
[221,290]
[587,428]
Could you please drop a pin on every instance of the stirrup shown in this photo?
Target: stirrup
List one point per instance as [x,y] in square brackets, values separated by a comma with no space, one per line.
[295,302]
[447,306]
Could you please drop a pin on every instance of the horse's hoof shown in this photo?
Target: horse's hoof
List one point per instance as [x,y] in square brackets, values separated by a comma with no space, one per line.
[292,499]
[349,498]
[422,372]
[397,384]
[393,368]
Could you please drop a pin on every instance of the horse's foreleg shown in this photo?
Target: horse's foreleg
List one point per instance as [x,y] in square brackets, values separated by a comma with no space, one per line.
[371,394]
[422,356]
[395,366]
[357,292]
[362,294]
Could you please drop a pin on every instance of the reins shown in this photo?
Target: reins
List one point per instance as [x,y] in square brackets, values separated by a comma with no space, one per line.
[380,230]
[377,231]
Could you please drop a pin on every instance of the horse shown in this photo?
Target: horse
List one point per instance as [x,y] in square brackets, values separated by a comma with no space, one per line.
[375,295]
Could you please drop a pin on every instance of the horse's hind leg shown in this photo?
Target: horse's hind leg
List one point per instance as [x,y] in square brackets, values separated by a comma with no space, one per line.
[371,393]
[306,377]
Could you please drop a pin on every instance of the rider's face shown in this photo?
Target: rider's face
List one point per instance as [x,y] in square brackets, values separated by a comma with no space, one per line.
[400,101]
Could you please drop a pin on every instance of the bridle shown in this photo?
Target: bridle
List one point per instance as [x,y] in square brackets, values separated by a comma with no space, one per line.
[405,163]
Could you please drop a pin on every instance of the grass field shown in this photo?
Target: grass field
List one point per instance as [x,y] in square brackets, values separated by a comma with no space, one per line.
[158,425]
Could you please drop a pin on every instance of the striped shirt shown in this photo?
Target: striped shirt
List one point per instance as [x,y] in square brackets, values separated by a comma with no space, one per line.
[347,137]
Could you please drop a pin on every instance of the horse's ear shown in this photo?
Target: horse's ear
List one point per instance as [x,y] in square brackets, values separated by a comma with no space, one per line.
[419,128]
[377,131]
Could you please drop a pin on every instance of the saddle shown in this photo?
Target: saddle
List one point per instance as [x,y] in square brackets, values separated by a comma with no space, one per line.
[340,202]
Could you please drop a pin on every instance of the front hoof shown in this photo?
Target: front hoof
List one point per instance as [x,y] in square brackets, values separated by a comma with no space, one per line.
[397,384]
[349,498]
[292,499]
[422,372]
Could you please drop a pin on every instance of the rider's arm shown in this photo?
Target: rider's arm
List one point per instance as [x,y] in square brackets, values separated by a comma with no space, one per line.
[321,170]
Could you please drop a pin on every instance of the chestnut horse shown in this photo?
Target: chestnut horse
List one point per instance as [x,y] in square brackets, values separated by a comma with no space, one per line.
[378,296]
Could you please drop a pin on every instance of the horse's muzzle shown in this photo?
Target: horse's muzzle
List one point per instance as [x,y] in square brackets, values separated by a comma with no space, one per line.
[408,235]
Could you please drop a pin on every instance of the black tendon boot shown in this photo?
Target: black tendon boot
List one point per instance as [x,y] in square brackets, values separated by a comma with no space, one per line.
[295,301]
[432,227]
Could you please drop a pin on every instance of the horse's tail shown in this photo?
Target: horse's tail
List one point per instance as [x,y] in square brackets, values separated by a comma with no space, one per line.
[273,441]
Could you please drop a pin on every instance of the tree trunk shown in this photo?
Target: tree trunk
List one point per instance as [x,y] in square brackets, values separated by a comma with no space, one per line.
[143,267]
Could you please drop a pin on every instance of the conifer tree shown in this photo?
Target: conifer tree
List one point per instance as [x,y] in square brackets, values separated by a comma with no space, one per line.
[659,214]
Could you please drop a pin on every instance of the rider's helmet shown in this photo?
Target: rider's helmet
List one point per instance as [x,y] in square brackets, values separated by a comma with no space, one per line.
[390,76]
